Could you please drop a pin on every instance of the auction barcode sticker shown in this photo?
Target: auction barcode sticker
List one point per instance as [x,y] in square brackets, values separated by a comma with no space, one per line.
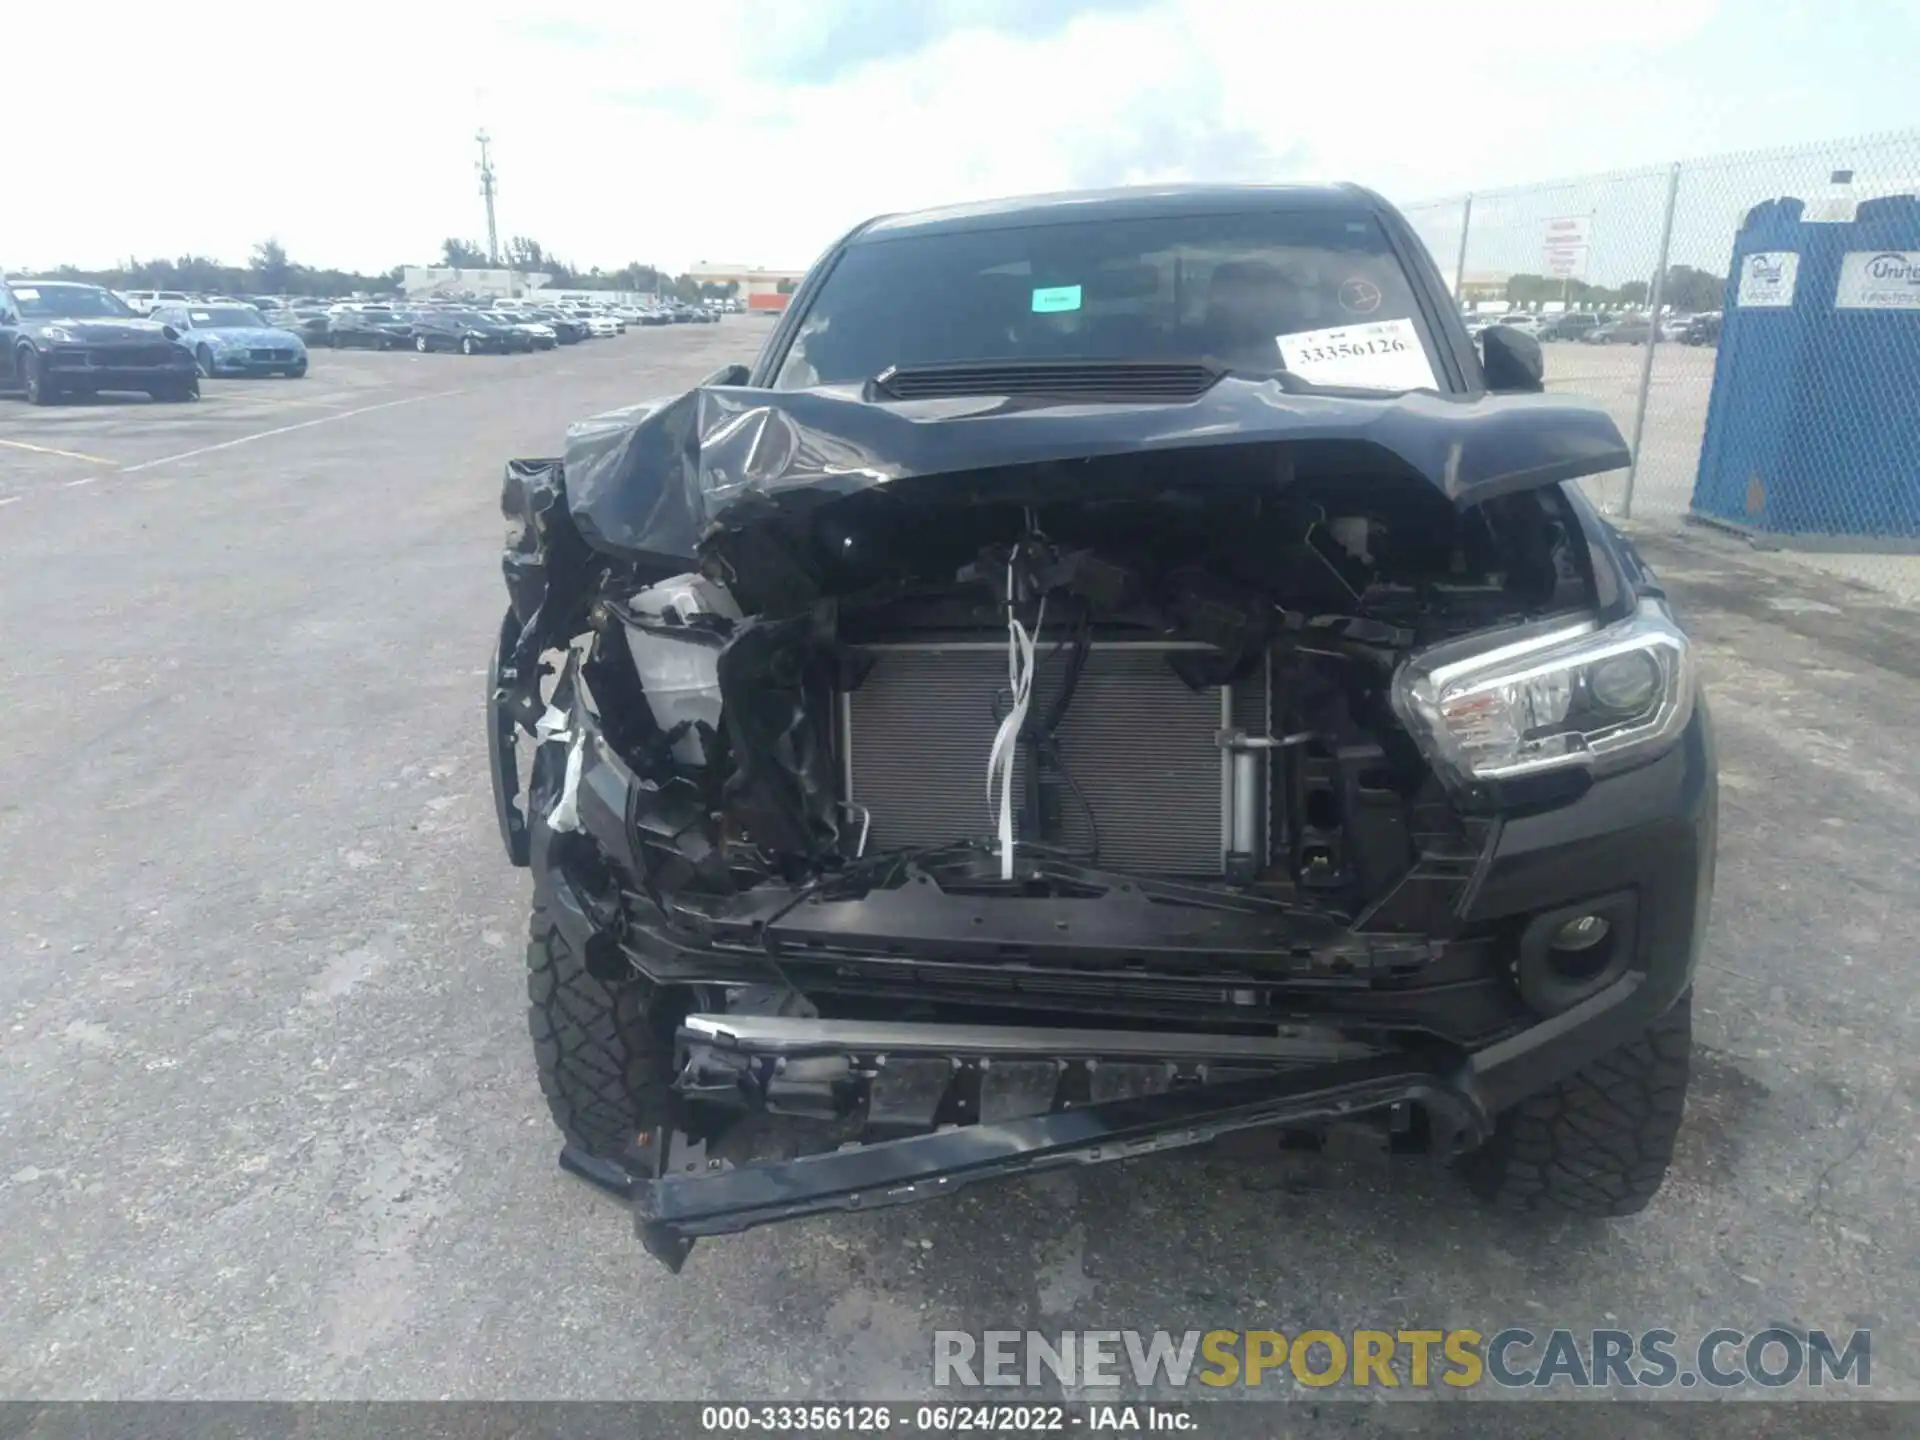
[1383,355]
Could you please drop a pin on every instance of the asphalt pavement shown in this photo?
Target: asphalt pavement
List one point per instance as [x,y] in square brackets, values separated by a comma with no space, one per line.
[268,1119]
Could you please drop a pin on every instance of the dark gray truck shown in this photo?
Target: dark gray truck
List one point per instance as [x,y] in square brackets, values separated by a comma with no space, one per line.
[1117,669]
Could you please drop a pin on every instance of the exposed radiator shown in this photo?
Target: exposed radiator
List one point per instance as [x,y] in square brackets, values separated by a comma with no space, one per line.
[1138,743]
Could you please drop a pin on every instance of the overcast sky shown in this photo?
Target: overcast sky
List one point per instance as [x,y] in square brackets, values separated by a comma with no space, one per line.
[755,130]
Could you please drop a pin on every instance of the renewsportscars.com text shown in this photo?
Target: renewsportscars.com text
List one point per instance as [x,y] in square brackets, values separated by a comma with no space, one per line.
[1513,1358]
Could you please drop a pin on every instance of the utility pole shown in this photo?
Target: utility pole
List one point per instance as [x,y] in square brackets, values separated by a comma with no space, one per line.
[486,189]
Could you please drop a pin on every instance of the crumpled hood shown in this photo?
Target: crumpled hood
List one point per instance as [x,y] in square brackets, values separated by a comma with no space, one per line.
[278,339]
[647,482]
[108,328]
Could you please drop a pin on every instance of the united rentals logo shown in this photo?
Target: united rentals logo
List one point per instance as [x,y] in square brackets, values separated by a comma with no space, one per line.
[1893,265]
[1767,280]
[1879,280]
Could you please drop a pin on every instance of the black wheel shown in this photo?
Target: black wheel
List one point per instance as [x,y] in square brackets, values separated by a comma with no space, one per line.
[203,358]
[1599,1143]
[466,346]
[604,1066]
[179,392]
[298,372]
[420,344]
[33,377]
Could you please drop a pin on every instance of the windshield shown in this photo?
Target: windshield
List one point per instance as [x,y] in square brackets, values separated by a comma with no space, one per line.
[1320,294]
[68,302]
[231,317]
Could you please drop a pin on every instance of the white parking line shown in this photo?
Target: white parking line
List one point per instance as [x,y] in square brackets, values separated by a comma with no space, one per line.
[284,430]
[11,499]
[50,450]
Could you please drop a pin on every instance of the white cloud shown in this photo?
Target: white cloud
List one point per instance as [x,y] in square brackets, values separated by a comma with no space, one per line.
[631,132]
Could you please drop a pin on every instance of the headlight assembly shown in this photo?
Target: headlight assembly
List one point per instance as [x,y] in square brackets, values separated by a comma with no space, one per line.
[1602,698]
[60,335]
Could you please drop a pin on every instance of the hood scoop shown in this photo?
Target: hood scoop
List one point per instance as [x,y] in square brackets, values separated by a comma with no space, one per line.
[1055,379]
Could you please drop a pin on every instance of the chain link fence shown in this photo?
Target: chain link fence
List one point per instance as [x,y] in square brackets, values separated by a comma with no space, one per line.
[1814,446]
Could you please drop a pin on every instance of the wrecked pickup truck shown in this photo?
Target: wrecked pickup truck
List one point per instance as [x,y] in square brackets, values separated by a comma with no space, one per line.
[1117,670]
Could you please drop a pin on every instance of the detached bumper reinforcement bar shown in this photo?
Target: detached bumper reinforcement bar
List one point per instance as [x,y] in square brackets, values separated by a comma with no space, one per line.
[688,1197]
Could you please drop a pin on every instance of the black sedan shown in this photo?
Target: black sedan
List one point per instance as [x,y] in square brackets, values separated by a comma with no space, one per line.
[368,328]
[567,329]
[1702,330]
[310,323]
[58,339]
[467,331]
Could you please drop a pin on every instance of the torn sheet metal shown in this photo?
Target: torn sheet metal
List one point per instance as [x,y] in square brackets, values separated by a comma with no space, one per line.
[647,483]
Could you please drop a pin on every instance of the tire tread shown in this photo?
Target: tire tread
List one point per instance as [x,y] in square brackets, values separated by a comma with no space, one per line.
[1599,1143]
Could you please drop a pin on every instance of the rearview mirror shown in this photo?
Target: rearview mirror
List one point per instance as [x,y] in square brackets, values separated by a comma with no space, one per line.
[728,375]
[1511,360]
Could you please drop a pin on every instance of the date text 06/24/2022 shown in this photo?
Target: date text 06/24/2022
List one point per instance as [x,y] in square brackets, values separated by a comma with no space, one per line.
[946,1419]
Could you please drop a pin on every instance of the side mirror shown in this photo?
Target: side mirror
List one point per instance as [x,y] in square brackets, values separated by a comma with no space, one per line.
[730,375]
[1511,361]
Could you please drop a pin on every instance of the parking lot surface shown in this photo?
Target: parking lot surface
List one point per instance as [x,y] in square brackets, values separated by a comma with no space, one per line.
[268,1119]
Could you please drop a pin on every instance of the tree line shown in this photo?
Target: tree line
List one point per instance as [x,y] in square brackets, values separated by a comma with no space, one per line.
[1686,289]
[270,271]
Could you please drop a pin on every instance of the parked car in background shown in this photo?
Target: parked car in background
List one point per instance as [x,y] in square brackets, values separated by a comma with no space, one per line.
[368,327]
[1520,320]
[141,302]
[656,315]
[539,332]
[567,329]
[467,331]
[1628,330]
[235,340]
[1702,329]
[58,338]
[309,322]
[1672,327]
[598,325]
[1568,325]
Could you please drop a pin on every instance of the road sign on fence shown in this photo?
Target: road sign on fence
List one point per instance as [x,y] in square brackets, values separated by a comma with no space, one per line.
[1565,250]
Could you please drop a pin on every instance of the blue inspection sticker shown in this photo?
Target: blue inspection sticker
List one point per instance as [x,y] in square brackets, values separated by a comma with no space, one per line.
[1056,298]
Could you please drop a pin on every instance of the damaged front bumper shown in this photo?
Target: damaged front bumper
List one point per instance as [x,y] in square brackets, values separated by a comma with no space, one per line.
[1101,1096]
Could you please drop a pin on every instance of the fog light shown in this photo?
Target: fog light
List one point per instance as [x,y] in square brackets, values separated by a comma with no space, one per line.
[1567,955]
[1581,934]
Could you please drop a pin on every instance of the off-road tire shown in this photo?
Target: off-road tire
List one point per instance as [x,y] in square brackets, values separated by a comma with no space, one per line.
[1598,1143]
[603,1068]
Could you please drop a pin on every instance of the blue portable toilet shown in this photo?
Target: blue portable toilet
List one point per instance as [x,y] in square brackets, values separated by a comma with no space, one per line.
[1813,426]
